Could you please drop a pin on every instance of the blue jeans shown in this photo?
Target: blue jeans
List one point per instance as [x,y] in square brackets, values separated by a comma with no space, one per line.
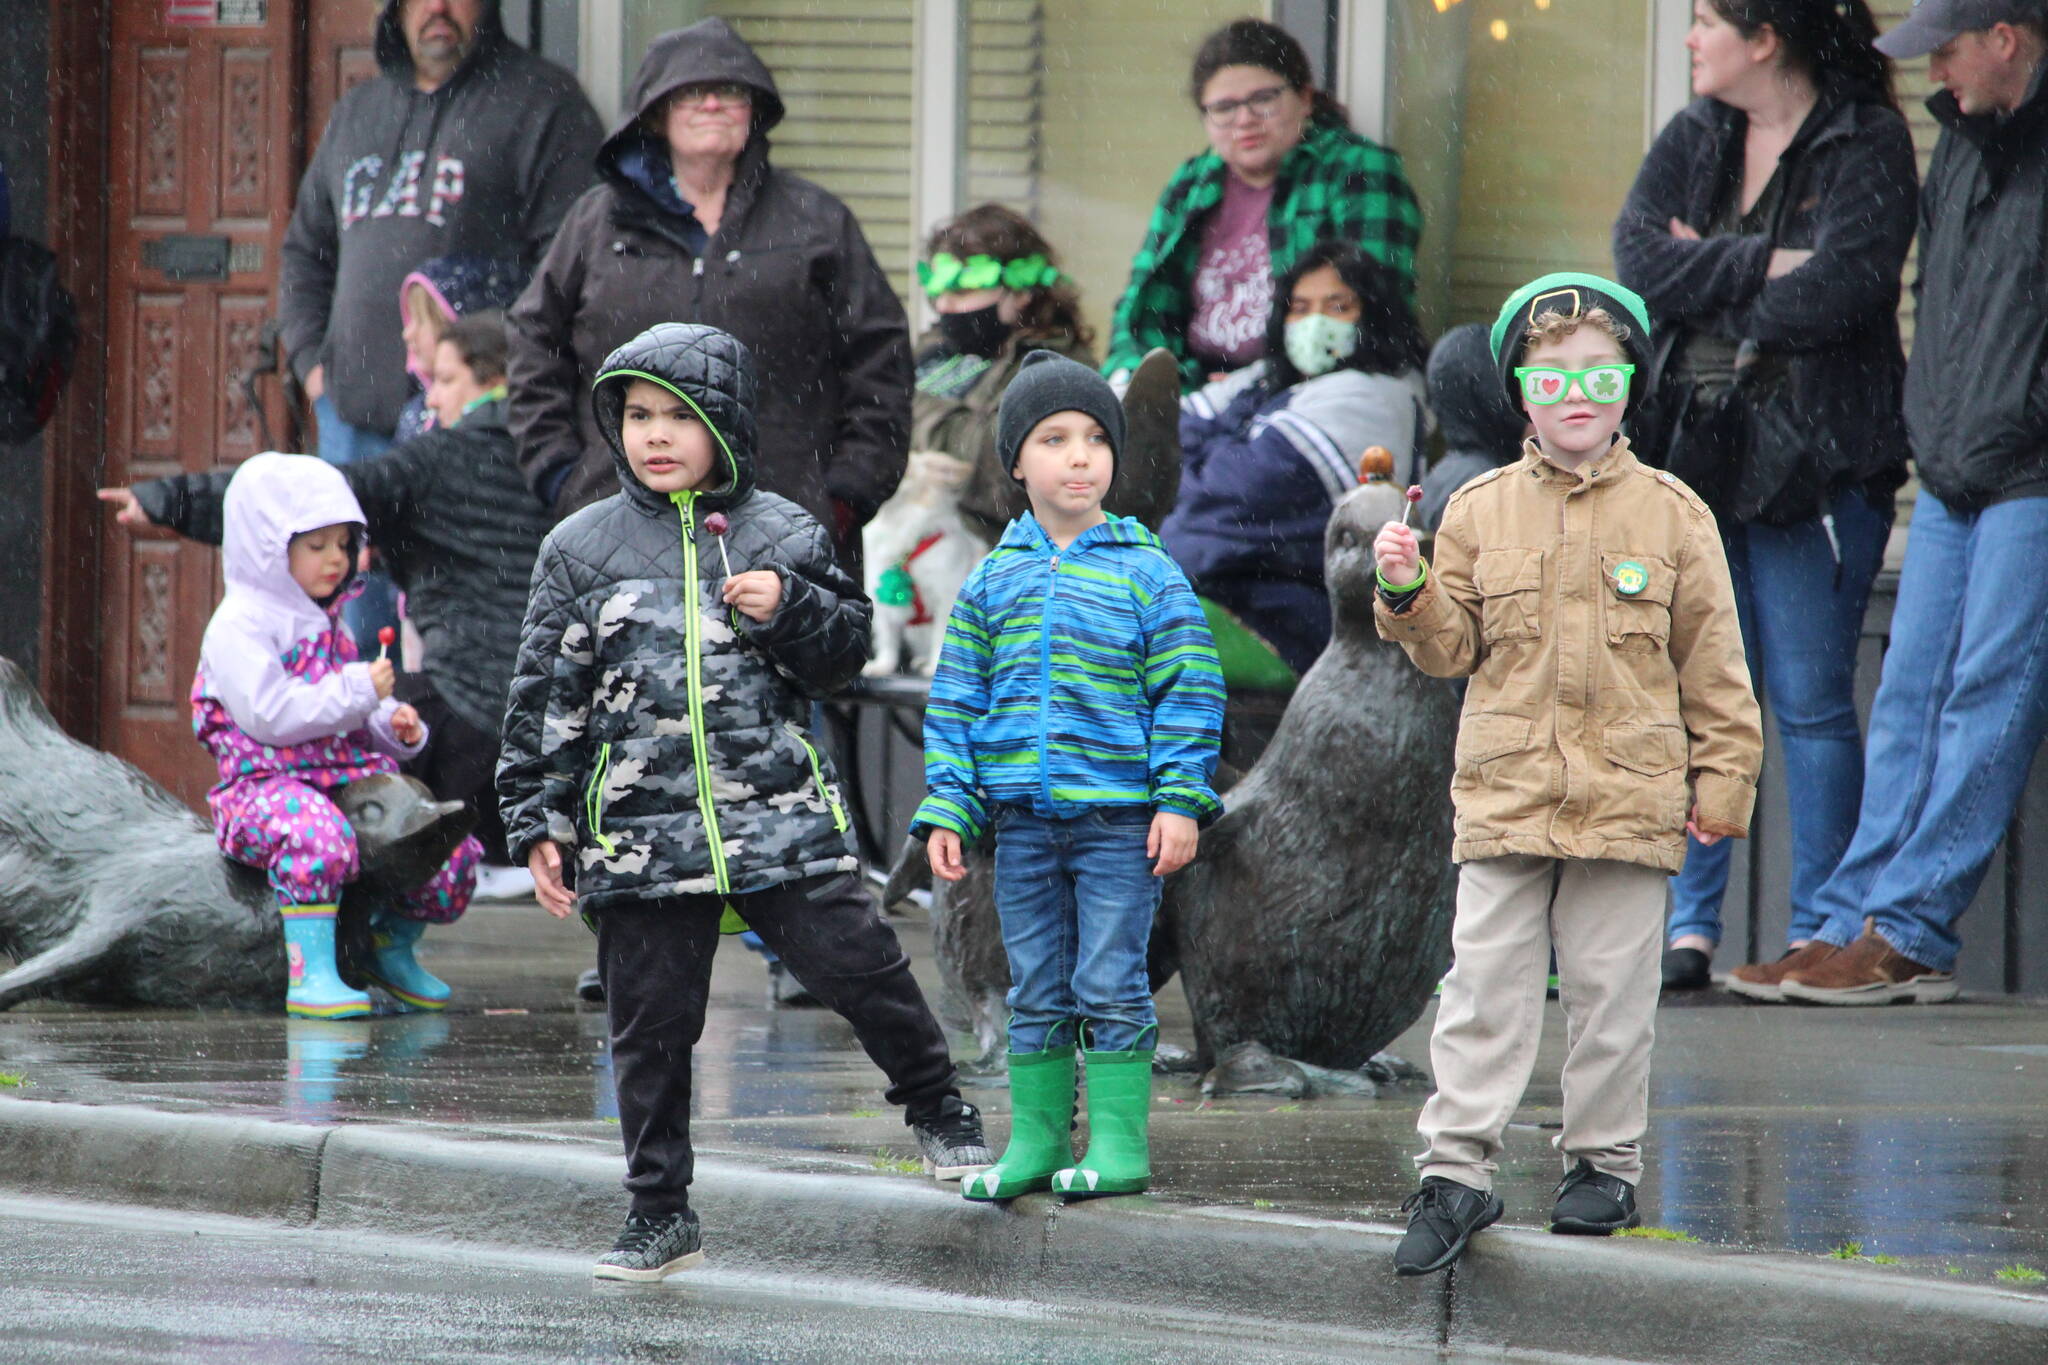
[1800,624]
[1960,710]
[376,606]
[1076,898]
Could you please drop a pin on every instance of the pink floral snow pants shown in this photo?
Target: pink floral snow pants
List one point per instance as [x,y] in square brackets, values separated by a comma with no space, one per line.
[305,843]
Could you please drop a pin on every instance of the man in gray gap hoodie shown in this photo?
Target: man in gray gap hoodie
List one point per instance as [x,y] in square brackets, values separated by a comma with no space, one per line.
[464,142]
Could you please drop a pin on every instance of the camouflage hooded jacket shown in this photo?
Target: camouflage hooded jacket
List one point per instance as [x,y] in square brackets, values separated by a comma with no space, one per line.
[652,730]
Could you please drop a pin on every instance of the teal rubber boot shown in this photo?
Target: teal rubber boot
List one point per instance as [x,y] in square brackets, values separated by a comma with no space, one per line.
[313,987]
[393,966]
[1119,1159]
[1041,1127]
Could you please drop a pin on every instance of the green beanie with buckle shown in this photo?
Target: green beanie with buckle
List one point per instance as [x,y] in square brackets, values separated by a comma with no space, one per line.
[1571,294]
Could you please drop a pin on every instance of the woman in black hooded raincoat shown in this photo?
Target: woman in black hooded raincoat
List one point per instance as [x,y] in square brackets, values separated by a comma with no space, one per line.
[690,223]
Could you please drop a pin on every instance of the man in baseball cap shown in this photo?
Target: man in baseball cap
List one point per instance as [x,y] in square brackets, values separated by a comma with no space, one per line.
[1963,702]
[1935,23]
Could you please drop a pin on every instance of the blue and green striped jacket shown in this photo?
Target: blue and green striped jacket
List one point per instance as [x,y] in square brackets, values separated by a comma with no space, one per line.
[1072,679]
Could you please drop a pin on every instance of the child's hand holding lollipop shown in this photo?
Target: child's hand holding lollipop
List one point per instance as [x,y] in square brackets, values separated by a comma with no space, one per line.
[754,594]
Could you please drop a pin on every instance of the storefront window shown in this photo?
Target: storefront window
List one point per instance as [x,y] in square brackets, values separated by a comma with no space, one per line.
[1077,114]
[1522,123]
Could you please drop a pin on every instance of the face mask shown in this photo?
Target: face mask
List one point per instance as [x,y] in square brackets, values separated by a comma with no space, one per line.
[1316,343]
[980,332]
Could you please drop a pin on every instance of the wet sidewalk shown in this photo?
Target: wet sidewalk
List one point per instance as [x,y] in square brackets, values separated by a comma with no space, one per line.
[1914,1138]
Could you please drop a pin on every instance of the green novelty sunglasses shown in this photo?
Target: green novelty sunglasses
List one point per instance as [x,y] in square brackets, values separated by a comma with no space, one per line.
[1543,385]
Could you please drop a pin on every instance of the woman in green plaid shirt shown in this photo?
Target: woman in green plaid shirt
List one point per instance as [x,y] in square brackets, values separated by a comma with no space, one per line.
[1284,170]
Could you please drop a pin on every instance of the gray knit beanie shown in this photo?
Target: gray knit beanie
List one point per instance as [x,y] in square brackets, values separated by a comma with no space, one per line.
[1046,383]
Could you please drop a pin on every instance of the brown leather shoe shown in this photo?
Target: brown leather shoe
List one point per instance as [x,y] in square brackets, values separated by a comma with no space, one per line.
[1869,972]
[1765,980]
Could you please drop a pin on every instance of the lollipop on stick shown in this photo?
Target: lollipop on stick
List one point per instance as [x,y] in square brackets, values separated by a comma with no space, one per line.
[1376,465]
[387,636]
[717,525]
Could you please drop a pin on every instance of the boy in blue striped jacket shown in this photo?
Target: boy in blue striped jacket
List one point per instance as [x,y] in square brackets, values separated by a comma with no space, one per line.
[1078,707]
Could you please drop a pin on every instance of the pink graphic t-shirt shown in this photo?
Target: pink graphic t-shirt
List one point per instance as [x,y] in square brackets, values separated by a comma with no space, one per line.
[1234,278]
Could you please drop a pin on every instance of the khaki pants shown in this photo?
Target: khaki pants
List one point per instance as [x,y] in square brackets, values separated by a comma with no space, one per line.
[1607,920]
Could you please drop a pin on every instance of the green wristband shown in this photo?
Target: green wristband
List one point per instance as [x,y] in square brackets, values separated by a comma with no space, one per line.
[1421,577]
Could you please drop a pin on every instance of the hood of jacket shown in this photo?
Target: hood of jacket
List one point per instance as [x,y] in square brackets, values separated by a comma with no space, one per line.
[708,50]
[1026,534]
[272,498]
[1465,394]
[394,58]
[708,369]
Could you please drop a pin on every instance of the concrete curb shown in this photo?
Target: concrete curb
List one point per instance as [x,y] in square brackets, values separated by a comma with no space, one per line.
[1515,1291]
[205,1163]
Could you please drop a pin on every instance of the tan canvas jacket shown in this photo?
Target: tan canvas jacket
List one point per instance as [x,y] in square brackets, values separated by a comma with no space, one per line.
[1609,690]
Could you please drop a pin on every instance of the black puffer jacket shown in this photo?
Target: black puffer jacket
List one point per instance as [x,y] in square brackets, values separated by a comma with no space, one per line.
[456,526]
[1977,391]
[1848,196]
[652,729]
[788,273]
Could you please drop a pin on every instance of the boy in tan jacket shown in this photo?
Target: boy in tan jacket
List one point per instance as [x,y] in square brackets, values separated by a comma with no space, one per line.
[1609,714]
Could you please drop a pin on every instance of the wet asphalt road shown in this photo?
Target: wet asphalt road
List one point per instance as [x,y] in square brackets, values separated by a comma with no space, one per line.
[109,1286]
[1913,1133]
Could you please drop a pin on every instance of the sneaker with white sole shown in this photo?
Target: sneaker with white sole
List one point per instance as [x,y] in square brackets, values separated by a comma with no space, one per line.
[651,1249]
[952,1143]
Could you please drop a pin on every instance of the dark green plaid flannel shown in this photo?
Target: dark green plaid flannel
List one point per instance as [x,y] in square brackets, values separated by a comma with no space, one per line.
[1334,184]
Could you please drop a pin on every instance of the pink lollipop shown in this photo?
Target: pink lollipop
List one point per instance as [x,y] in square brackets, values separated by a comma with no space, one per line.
[717,524]
[1413,495]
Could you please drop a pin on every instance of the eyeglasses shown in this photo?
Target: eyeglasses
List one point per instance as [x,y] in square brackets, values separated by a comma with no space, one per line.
[1543,385]
[693,96]
[1262,103]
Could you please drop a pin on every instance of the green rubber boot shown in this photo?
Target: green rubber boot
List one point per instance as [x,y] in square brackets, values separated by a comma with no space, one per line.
[1119,1159]
[1041,1127]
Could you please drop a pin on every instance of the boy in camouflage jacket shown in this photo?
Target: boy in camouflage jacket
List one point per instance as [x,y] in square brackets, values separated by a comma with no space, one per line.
[655,734]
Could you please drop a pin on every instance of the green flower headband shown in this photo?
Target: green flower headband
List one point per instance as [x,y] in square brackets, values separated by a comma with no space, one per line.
[946,273]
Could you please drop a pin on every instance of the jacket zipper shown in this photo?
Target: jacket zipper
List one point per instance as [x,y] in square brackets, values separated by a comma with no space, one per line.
[593,800]
[1052,585]
[818,777]
[693,640]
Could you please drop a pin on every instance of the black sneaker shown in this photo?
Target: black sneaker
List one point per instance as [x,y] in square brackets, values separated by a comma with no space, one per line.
[590,986]
[1592,1204]
[653,1248]
[1442,1216]
[1687,969]
[952,1144]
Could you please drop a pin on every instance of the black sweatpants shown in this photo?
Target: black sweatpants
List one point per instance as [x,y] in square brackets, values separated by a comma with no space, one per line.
[459,763]
[655,958]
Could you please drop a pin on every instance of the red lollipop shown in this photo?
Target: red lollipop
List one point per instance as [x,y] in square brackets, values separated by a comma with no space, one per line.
[387,636]
[1413,495]
[718,524]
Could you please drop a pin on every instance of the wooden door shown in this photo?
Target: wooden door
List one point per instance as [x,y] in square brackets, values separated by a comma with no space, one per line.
[208,130]
[340,54]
